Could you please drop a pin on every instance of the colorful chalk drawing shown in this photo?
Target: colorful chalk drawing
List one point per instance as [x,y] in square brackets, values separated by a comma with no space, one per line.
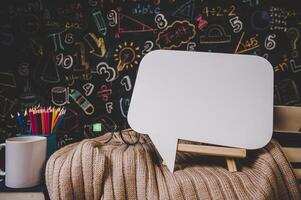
[127,55]
[96,44]
[85,55]
[178,33]
[124,22]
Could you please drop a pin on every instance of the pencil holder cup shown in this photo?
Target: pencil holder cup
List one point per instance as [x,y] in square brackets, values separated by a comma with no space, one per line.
[51,142]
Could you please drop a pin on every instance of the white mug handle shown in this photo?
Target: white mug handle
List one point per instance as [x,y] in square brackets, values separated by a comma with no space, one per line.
[2,173]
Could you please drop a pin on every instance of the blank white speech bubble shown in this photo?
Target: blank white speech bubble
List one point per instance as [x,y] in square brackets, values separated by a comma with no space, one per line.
[221,99]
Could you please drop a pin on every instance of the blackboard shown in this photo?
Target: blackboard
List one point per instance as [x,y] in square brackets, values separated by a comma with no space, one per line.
[84,55]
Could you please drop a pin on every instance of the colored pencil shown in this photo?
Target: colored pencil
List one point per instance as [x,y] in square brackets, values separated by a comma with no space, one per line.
[36,130]
[42,121]
[60,119]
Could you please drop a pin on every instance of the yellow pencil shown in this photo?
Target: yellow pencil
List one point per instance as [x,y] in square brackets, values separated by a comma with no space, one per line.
[53,118]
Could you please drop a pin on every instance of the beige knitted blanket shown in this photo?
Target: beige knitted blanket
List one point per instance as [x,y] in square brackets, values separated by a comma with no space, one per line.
[127,167]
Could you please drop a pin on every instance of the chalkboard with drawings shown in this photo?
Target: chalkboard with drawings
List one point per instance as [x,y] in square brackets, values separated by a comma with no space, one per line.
[84,55]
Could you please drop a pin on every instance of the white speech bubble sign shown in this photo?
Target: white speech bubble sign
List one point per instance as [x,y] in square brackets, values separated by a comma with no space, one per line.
[221,99]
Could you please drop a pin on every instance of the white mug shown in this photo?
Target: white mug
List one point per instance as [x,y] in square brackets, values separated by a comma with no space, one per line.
[25,159]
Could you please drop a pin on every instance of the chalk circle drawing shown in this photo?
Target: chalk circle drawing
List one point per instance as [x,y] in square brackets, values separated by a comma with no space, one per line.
[104,69]
[112,16]
[127,55]
[236,24]
[148,46]
[269,42]
[215,34]
[104,92]
[161,21]
[175,35]
[29,24]
[82,102]
[260,20]
[65,61]
[88,87]
[126,82]
[7,79]
[60,96]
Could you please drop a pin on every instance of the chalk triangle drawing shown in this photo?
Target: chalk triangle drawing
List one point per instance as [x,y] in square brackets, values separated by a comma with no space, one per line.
[241,48]
[128,24]
[50,72]
[185,11]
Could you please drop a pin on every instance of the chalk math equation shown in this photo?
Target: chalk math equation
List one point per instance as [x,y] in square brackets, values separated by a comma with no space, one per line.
[84,55]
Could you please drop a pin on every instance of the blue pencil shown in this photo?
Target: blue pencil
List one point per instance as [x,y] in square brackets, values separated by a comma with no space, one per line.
[59,120]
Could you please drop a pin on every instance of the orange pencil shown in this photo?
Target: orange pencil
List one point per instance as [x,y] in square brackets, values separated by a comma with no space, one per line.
[47,120]
[54,117]
[35,122]
[43,121]
[57,118]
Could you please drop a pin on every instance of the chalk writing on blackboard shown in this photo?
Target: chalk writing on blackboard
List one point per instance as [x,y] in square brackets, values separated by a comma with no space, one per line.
[176,34]
[6,106]
[7,79]
[245,45]
[126,82]
[104,92]
[81,101]
[137,26]
[97,44]
[109,107]
[185,11]
[85,55]
[50,73]
[104,69]
[88,87]
[127,55]
[60,96]
[215,34]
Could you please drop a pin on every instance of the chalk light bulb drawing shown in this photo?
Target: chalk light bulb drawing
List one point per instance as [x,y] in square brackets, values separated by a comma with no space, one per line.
[127,55]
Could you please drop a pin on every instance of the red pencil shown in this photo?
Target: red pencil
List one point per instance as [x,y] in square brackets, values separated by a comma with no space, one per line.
[58,117]
[36,131]
[47,120]
[31,121]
